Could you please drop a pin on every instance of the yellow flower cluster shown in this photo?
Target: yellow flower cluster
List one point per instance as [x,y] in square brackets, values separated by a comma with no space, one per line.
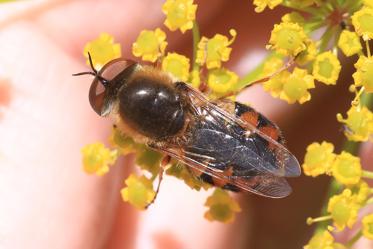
[97,158]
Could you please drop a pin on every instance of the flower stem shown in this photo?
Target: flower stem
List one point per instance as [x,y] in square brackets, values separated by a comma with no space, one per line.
[196,38]
[368,174]
[355,238]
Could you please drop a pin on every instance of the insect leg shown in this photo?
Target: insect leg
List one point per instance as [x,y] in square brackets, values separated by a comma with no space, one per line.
[262,80]
[164,162]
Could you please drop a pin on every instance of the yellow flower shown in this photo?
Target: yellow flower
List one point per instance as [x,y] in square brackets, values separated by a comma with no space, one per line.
[215,50]
[307,55]
[222,207]
[349,43]
[180,14]
[368,226]
[318,159]
[359,123]
[123,143]
[364,73]
[221,80]
[368,3]
[139,191]
[195,79]
[150,45]
[177,65]
[271,66]
[181,171]
[296,87]
[293,17]
[276,83]
[288,39]
[326,68]
[321,240]
[346,169]
[97,158]
[343,209]
[362,21]
[149,160]
[363,192]
[262,4]
[102,50]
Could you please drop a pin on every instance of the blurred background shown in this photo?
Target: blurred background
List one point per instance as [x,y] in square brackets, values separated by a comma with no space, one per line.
[47,201]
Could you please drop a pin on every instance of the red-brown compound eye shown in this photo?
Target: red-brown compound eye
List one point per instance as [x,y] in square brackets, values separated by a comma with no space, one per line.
[100,96]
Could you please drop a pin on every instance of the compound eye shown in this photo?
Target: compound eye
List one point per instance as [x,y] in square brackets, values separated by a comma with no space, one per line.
[99,95]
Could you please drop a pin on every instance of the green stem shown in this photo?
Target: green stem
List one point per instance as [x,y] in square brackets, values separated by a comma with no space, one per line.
[367,174]
[353,240]
[326,37]
[309,10]
[196,39]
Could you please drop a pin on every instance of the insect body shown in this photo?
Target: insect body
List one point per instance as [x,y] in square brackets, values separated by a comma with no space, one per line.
[230,144]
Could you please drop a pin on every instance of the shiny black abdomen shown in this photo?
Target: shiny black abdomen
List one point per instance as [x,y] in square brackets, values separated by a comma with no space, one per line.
[152,108]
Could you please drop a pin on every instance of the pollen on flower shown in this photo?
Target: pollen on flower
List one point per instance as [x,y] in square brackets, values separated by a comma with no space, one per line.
[368,3]
[97,158]
[359,123]
[349,43]
[288,39]
[362,21]
[221,80]
[363,192]
[176,64]
[326,68]
[296,87]
[321,240]
[102,50]
[318,159]
[262,4]
[180,14]
[123,143]
[215,50]
[195,78]
[368,226]
[364,73]
[150,45]
[139,191]
[221,206]
[346,169]
[276,83]
[343,209]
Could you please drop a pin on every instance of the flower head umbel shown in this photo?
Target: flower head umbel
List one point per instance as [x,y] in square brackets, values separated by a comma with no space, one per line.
[288,39]
[343,209]
[102,50]
[326,68]
[364,73]
[139,191]
[221,80]
[276,83]
[359,123]
[260,5]
[363,23]
[180,14]
[349,43]
[177,65]
[150,45]
[346,168]
[222,207]
[318,159]
[296,86]
[215,50]
[321,240]
[368,226]
[97,158]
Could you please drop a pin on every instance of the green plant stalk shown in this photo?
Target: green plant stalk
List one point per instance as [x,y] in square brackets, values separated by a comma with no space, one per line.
[196,39]
[355,238]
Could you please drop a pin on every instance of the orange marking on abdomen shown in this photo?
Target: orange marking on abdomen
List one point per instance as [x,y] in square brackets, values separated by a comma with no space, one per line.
[250,117]
[271,132]
[220,182]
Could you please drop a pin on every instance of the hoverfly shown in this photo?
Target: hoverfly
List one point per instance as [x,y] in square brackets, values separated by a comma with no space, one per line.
[230,144]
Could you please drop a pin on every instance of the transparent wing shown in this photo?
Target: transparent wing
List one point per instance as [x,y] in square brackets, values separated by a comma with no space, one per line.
[217,140]
[269,156]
